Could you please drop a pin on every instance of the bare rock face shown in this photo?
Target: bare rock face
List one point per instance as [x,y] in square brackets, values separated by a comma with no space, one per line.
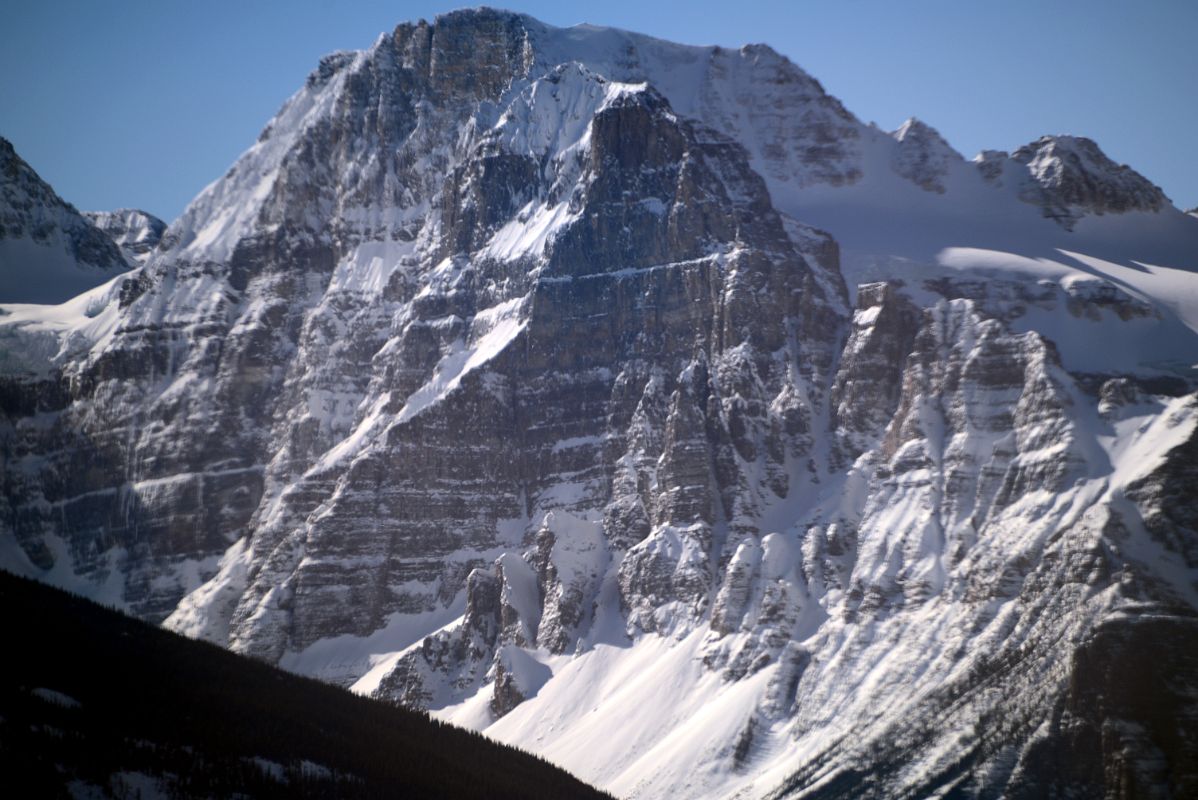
[492,380]
[868,383]
[1110,736]
[1167,515]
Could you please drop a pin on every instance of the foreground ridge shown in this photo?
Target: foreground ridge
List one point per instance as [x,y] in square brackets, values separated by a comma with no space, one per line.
[161,715]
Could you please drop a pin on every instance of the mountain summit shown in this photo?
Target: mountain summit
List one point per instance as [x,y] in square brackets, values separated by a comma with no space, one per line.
[1074,177]
[637,404]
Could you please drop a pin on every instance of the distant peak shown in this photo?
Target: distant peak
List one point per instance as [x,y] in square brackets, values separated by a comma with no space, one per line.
[922,155]
[1053,157]
[761,49]
[134,231]
[135,214]
[1072,176]
[71,254]
[1059,143]
[915,133]
[916,128]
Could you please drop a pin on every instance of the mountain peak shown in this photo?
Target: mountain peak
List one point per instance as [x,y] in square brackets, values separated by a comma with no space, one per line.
[136,232]
[1072,176]
[48,251]
[922,155]
[918,129]
[762,50]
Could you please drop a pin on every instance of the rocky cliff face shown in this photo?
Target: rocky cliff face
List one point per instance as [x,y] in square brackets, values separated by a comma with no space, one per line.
[500,378]
[49,252]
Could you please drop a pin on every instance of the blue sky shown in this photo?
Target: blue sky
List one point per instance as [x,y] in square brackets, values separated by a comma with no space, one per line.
[142,103]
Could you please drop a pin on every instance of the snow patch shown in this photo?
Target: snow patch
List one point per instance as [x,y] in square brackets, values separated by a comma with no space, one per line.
[490,332]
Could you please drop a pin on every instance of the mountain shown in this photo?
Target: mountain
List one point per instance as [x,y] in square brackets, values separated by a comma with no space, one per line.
[135,232]
[164,716]
[49,252]
[635,403]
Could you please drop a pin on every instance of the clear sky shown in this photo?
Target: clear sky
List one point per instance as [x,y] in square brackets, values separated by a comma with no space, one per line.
[143,102]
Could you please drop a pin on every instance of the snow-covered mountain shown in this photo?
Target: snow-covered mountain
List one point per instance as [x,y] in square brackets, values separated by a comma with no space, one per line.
[637,404]
[135,232]
[49,252]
